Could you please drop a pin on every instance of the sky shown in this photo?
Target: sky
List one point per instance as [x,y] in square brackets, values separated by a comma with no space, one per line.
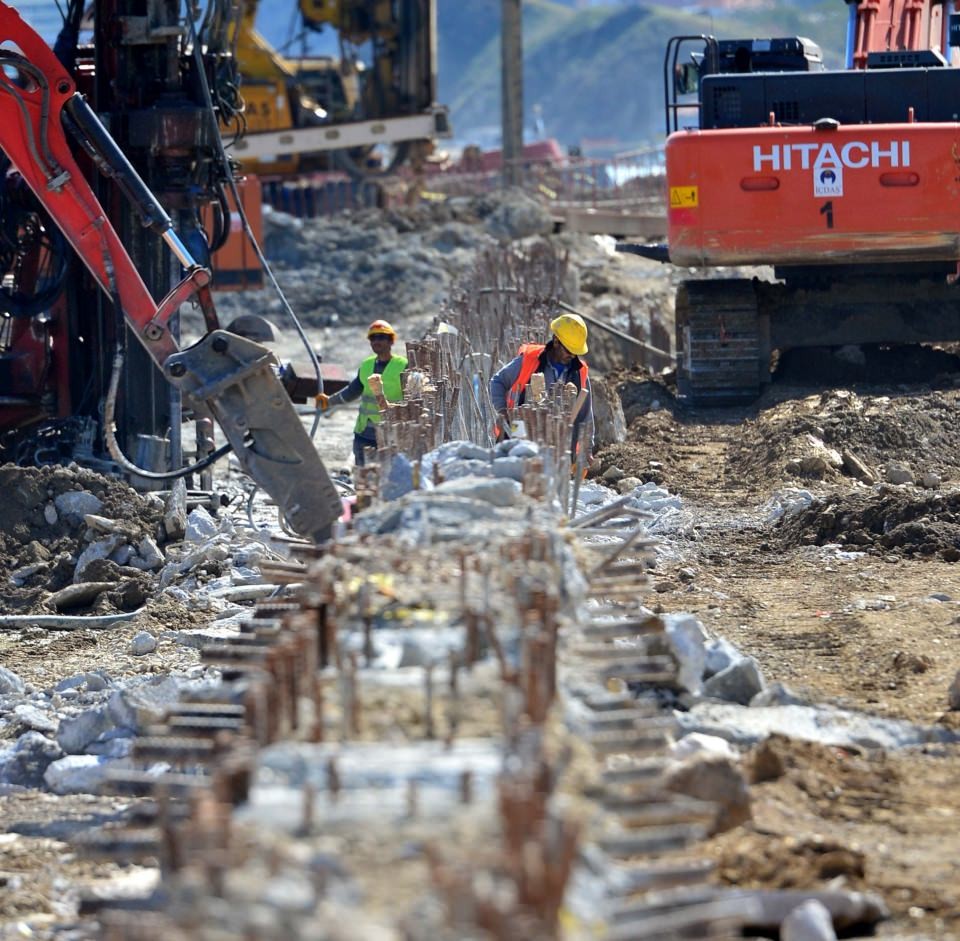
[42,15]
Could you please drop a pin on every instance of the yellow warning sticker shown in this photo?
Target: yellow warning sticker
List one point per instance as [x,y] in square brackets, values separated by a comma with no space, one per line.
[684,197]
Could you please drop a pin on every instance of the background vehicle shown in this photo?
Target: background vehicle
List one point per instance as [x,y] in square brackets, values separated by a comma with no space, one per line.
[847,182]
[366,111]
[86,346]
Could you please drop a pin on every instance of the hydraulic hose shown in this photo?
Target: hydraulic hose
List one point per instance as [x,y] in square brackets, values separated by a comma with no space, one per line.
[113,446]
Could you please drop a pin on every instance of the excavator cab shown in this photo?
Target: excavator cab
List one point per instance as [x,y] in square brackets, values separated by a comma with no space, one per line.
[697,87]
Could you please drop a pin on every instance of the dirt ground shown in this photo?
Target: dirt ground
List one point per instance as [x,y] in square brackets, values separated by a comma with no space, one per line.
[853,601]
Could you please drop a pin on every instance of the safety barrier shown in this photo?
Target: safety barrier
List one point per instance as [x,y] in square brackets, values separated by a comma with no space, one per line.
[630,179]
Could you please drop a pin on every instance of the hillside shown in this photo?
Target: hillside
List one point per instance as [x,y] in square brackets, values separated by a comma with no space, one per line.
[595,72]
[591,72]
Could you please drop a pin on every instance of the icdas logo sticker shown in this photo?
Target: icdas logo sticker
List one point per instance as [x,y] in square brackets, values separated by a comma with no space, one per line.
[828,161]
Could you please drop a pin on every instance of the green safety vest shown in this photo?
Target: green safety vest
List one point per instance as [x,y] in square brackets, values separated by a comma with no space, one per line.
[392,389]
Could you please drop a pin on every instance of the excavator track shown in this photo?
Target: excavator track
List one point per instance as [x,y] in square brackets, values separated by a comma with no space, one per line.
[722,348]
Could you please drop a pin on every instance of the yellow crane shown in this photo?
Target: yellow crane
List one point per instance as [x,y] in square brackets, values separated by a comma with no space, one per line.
[319,112]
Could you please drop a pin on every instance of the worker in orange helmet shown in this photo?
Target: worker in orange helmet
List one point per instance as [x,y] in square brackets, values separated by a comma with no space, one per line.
[559,361]
[384,363]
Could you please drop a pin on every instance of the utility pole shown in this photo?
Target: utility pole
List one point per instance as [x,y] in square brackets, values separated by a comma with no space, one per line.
[511,88]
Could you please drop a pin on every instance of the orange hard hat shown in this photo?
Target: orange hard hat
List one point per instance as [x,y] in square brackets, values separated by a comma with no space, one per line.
[381,326]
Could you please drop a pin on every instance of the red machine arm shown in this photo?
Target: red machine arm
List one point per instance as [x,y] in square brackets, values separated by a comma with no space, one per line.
[34,88]
[232,376]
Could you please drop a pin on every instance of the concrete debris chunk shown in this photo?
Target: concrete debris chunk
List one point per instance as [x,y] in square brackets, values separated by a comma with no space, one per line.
[123,554]
[216,550]
[816,460]
[137,706]
[778,694]
[628,484]
[26,762]
[787,502]
[846,908]
[716,778]
[100,549]
[50,514]
[739,682]
[697,743]
[517,217]
[399,480]
[517,447]
[10,682]
[498,491]
[720,654]
[653,498]
[175,511]
[79,774]
[76,504]
[686,637]
[35,718]
[612,474]
[465,451]
[200,526]
[857,468]
[747,725]
[22,575]
[457,470]
[104,525]
[809,921]
[510,467]
[75,733]
[115,744]
[142,643]
[149,557]
[897,472]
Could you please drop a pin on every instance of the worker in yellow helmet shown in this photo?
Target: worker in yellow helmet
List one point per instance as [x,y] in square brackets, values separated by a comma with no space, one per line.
[559,361]
[384,363]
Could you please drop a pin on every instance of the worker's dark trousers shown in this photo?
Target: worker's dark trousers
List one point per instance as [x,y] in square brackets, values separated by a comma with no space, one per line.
[362,446]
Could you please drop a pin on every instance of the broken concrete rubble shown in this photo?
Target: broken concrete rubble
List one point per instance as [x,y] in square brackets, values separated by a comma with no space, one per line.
[195,586]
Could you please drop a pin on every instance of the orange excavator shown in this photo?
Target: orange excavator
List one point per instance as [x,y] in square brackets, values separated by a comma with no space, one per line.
[55,341]
[847,182]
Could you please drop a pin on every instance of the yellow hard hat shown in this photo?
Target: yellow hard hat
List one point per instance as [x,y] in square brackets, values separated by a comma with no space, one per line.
[381,326]
[571,331]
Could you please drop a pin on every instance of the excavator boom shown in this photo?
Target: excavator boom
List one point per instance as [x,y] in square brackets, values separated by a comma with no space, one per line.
[233,377]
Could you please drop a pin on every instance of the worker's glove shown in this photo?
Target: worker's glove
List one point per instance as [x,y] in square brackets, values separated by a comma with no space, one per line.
[326,402]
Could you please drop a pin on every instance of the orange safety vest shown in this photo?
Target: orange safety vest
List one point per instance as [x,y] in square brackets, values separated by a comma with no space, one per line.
[531,353]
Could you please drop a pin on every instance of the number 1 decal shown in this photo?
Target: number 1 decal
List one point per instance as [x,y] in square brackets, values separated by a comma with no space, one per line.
[827,210]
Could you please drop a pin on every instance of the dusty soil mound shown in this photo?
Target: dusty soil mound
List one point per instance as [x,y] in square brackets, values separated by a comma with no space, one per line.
[806,796]
[33,533]
[917,428]
[773,441]
[911,522]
